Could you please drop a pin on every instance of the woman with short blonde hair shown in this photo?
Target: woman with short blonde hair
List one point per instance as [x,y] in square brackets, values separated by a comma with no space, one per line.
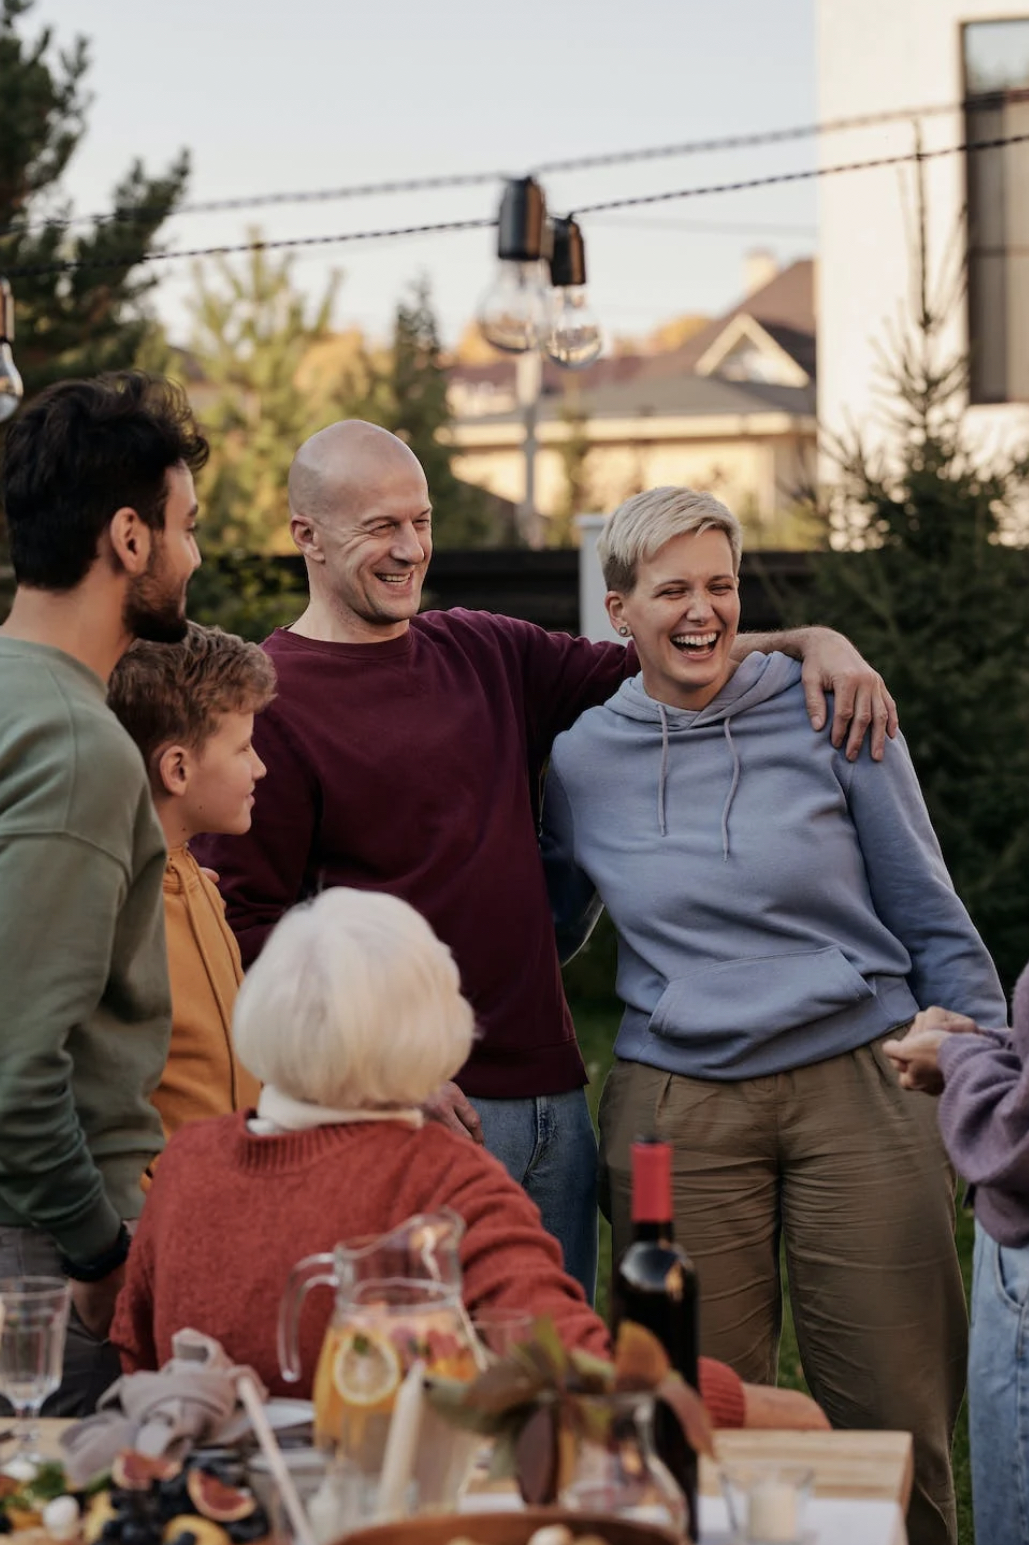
[780,909]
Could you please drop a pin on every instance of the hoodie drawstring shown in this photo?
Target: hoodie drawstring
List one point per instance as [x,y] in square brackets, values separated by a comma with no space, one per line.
[732,790]
[663,779]
[663,776]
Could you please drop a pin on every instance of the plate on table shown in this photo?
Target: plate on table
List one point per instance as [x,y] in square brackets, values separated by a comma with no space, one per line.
[282,1414]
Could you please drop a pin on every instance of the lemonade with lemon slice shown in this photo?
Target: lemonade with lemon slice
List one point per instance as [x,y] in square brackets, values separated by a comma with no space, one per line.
[363,1362]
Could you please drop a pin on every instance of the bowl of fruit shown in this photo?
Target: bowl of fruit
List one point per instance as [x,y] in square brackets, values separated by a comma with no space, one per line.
[142,1501]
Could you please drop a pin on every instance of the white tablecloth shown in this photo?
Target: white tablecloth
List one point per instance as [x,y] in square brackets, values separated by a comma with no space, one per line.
[830,1521]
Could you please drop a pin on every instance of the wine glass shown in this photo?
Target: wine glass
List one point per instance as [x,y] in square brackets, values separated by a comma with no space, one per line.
[33,1322]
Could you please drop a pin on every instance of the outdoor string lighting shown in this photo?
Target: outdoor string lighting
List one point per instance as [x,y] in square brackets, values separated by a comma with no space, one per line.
[573,337]
[10,380]
[513,313]
[522,311]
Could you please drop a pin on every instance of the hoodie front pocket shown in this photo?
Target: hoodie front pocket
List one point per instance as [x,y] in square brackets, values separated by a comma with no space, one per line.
[759,997]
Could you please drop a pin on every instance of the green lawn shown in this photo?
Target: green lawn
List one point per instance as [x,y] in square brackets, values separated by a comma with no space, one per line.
[596,1020]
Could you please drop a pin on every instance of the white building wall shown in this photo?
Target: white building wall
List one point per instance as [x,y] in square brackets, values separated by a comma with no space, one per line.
[876,56]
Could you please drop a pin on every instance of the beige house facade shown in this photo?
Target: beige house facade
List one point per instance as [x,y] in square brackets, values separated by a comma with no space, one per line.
[732,410]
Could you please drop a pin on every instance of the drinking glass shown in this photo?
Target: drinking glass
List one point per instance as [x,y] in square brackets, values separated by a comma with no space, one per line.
[33,1322]
[501,1330]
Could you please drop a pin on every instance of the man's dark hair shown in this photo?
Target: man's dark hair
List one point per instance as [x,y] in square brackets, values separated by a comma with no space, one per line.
[82,450]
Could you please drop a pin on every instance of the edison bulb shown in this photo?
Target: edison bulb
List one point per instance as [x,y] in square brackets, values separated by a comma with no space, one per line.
[573,337]
[10,383]
[512,315]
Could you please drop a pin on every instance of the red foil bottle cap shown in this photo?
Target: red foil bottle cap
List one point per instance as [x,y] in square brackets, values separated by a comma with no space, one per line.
[651,1182]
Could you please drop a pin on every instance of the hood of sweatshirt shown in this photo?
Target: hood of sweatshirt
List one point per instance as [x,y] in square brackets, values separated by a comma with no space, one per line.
[758,678]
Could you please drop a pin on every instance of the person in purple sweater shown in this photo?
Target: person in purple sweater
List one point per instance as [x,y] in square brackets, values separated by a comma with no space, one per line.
[982,1076]
[404,754]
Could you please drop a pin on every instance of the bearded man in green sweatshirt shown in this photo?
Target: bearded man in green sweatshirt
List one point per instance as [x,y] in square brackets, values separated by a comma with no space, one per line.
[97,489]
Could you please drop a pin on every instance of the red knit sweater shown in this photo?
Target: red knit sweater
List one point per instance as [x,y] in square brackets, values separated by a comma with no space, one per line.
[230,1214]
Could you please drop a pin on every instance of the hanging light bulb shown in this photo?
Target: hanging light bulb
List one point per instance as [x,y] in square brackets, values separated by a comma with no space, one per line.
[513,312]
[10,381]
[572,337]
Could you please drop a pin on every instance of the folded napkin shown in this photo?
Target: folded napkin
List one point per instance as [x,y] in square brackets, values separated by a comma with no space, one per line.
[192,1400]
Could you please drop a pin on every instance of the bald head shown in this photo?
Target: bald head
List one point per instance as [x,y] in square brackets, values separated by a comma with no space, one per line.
[360,515]
[343,468]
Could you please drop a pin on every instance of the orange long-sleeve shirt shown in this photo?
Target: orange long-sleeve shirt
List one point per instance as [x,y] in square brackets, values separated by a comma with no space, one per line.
[202,1076]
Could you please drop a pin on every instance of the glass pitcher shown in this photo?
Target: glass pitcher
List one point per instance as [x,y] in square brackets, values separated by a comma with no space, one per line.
[398,1300]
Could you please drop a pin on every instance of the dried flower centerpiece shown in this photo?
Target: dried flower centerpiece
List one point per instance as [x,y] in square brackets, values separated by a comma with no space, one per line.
[542,1403]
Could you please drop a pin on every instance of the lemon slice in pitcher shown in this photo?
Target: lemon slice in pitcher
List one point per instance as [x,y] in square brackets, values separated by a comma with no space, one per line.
[366,1371]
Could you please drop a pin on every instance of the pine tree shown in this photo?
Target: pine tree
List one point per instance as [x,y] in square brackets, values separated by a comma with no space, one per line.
[409,397]
[251,330]
[574,452]
[252,335]
[91,318]
[930,579]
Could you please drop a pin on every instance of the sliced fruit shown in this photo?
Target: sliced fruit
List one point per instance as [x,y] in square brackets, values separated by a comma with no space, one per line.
[99,1510]
[366,1371]
[213,1499]
[204,1530]
[133,1471]
[24,1517]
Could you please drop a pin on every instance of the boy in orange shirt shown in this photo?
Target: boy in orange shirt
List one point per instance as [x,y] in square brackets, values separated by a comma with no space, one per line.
[190,709]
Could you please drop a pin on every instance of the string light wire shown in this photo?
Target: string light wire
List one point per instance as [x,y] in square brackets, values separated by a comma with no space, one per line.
[484,223]
[588,162]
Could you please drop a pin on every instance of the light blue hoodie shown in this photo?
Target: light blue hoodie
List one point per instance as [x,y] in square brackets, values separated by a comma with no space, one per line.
[775,904]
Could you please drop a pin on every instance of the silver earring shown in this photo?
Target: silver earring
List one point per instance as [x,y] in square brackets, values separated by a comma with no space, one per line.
[624,631]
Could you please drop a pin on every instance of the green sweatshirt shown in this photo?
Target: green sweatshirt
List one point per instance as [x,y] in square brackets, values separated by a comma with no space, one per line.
[85,1011]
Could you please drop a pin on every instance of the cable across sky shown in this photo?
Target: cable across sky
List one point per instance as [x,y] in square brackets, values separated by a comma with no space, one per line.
[485,222]
[589,162]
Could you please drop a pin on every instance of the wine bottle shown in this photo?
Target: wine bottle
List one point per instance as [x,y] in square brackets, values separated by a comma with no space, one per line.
[656,1286]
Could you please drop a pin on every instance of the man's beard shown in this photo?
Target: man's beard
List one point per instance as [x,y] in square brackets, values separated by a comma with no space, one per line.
[150,612]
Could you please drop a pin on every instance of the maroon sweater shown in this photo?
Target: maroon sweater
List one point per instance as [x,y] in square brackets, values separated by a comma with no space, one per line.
[414,767]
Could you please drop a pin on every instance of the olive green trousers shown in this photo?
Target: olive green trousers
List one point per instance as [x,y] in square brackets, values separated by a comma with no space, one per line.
[846,1170]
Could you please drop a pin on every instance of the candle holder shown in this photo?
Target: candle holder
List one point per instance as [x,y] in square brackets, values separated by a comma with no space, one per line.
[767,1503]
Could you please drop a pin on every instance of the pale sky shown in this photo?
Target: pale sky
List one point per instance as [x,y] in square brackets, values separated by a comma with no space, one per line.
[306,94]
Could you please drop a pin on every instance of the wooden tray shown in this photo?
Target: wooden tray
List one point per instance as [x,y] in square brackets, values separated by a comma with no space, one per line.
[510,1528]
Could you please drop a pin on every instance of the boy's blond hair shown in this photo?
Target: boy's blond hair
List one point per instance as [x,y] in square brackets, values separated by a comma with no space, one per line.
[175,694]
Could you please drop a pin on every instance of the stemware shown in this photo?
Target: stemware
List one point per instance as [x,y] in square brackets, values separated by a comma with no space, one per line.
[33,1324]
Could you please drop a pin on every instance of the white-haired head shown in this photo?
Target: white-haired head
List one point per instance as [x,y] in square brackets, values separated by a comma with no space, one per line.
[353,1002]
[641,526]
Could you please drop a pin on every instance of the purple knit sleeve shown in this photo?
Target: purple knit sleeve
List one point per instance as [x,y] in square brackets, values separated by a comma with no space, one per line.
[984,1110]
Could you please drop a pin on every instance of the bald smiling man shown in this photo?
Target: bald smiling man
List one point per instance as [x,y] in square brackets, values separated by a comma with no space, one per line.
[405,754]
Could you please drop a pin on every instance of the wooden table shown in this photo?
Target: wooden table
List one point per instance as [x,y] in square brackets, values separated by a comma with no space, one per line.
[863,1466]
[845,1464]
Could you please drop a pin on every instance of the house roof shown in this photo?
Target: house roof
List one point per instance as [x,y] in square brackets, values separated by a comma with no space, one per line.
[785,307]
[673,396]
[635,385]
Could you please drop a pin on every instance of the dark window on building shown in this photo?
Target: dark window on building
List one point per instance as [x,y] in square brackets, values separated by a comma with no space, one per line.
[996,58]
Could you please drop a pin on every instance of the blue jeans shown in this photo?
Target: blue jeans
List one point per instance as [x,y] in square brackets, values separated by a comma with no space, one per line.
[548,1145]
[998,1392]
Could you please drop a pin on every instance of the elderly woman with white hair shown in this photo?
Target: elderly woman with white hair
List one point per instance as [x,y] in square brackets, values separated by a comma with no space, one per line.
[780,911]
[351,1017]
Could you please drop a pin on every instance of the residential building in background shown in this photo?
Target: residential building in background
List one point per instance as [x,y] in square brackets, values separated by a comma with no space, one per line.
[732,410]
[934,55]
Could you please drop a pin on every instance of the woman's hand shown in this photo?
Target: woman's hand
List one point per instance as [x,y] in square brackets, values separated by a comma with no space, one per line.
[916,1055]
[453,1109]
[786,1409]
